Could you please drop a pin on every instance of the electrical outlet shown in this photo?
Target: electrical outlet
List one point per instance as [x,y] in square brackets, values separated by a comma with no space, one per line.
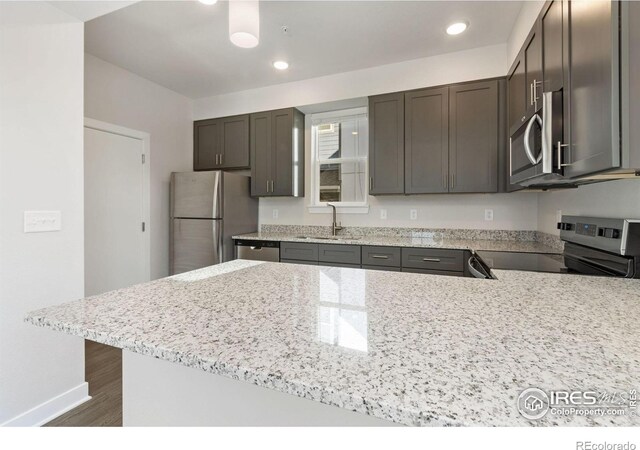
[413,214]
[559,215]
[40,221]
[488,214]
[275,213]
[383,214]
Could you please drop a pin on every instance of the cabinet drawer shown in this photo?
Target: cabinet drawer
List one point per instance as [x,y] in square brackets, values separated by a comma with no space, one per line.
[338,253]
[434,272]
[433,259]
[351,266]
[304,263]
[299,251]
[387,269]
[381,256]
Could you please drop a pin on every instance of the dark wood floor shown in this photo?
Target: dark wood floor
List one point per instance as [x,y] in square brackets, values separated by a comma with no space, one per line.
[103,372]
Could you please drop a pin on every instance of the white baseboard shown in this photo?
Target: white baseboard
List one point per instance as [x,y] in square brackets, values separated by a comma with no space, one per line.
[52,408]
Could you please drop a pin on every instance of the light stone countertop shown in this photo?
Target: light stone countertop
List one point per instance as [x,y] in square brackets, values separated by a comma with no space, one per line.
[422,241]
[411,348]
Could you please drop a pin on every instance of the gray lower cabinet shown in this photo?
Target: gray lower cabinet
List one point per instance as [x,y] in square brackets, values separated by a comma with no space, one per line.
[433,259]
[473,137]
[221,143]
[296,261]
[386,269]
[415,260]
[426,141]
[298,251]
[338,253]
[386,144]
[277,153]
[381,256]
[433,272]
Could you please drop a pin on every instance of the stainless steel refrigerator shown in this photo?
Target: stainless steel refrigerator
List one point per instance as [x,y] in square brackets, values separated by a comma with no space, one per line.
[207,208]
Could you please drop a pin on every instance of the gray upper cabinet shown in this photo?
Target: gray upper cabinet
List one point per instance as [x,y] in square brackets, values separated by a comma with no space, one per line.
[552,59]
[473,137]
[206,144]
[221,143]
[426,141]
[386,144]
[591,127]
[516,85]
[532,55]
[277,152]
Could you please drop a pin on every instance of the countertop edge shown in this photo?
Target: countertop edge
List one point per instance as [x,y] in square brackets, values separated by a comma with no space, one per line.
[356,404]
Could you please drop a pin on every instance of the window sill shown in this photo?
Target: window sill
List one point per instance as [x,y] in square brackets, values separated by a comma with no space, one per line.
[346,209]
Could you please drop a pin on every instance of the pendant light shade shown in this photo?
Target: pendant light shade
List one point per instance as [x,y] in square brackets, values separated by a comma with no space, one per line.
[244,22]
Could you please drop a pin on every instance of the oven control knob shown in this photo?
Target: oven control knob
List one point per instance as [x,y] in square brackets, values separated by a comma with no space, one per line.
[564,226]
[612,233]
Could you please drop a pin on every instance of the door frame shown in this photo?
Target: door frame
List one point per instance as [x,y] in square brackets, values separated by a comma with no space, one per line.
[145,138]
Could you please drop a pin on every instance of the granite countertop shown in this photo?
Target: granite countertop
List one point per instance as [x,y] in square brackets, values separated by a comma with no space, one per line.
[417,241]
[411,348]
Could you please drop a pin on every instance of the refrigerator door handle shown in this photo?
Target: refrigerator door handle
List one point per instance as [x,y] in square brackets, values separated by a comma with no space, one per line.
[217,241]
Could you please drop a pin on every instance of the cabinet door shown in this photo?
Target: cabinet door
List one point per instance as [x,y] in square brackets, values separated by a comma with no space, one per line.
[532,54]
[260,144]
[551,28]
[426,141]
[206,144]
[282,153]
[386,144]
[591,128]
[234,151]
[473,137]
[517,93]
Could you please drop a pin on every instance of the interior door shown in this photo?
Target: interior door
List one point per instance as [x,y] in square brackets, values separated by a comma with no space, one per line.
[113,206]
[195,243]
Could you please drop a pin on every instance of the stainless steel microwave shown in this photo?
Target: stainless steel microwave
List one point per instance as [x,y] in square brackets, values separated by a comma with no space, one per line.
[536,147]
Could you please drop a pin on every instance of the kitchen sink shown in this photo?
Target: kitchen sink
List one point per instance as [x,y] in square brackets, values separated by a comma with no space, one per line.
[330,238]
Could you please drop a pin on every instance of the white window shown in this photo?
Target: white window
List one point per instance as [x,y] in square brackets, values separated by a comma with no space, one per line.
[339,166]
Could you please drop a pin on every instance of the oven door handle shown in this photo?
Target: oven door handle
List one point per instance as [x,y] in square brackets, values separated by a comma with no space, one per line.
[527,132]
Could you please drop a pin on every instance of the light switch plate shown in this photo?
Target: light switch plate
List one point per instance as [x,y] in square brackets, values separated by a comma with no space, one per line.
[383,214]
[42,221]
[488,214]
[413,214]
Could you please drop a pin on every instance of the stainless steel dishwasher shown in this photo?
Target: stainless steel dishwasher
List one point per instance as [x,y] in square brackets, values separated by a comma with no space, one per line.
[258,250]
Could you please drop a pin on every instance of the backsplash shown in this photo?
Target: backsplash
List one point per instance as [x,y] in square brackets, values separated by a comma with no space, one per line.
[471,234]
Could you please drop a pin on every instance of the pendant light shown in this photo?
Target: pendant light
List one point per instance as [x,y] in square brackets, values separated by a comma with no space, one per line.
[244,22]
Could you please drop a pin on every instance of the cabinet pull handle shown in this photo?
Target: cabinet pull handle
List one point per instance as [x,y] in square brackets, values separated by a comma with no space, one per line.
[431,259]
[272,183]
[217,159]
[531,94]
[267,186]
[221,158]
[379,256]
[370,183]
[452,182]
[523,118]
[560,145]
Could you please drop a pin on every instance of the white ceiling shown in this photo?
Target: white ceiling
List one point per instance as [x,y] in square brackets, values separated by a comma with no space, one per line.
[184,46]
[89,9]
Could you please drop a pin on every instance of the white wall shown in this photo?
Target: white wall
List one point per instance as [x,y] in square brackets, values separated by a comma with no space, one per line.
[515,211]
[117,96]
[619,198]
[41,115]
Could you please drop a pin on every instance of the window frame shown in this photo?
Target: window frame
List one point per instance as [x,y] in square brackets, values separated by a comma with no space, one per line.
[315,205]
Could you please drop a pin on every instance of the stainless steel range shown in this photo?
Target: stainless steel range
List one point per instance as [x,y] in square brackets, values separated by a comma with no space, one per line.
[593,246]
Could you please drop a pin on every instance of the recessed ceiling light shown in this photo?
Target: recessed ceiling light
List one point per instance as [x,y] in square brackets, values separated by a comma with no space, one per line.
[456,28]
[208,2]
[281,65]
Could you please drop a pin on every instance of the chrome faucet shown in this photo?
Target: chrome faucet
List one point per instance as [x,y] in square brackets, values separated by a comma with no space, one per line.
[334,225]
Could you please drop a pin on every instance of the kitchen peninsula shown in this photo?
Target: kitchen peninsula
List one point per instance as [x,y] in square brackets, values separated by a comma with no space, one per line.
[233,344]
